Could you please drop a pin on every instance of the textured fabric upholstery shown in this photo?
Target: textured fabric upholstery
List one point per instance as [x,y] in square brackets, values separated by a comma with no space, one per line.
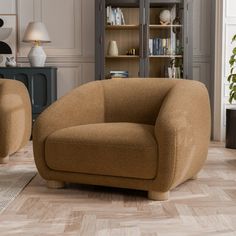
[113,149]
[15,116]
[139,102]
[76,139]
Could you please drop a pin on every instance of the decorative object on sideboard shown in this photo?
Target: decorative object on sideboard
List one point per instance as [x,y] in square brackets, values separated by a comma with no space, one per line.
[10,62]
[115,16]
[113,49]
[165,17]
[37,33]
[7,37]
[231,111]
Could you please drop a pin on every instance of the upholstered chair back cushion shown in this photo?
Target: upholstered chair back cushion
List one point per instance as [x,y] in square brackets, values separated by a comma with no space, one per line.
[136,102]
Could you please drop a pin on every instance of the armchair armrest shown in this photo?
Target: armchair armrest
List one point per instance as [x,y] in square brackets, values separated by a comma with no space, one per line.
[182,130]
[15,116]
[84,105]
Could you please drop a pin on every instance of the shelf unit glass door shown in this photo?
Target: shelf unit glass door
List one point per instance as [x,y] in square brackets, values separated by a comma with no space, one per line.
[128,38]
[165,39]
[146,47]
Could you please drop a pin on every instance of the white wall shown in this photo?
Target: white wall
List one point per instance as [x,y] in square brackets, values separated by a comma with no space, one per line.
[226,17]
[7,7]
[71,27]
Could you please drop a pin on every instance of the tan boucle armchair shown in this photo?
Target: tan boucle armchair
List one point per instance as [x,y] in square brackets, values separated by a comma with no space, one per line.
[147,134]
[15,117]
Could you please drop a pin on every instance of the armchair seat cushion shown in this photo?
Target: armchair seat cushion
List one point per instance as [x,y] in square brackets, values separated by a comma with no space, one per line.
[110,149]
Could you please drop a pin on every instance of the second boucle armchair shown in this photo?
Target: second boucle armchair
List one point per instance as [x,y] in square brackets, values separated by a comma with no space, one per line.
[15,117]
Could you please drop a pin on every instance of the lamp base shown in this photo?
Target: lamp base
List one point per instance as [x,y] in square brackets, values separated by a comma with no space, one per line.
[37,56]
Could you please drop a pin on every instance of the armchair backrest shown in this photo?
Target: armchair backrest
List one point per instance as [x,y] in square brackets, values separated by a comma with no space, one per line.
[134,100]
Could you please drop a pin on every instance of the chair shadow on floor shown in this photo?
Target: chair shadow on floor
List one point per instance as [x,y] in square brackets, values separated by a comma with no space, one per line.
[232,163]
[108,193]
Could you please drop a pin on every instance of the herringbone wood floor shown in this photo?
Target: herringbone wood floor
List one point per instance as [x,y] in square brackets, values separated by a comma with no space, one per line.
[203,207]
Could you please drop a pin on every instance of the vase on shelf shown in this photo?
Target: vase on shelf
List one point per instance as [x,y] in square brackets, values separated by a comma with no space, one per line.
[113,49]
[165,17]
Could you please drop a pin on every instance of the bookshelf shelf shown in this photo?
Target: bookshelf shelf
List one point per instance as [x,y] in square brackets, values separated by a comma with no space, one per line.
[122,27]
[122,57]
[166,56]
[135,27]
[164,26]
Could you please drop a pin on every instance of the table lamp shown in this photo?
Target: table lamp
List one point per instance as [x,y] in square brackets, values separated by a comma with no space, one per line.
[37,33]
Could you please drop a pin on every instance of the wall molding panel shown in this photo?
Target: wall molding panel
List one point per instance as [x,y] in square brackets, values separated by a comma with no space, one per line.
[202,27]
[72,31]
[68,78]
[202,73]
[7,6]
[61,59]
[202,48]
[230,9]
[66,40]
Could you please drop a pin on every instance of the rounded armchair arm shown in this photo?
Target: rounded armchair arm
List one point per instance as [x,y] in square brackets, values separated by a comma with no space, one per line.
[183,133]
[15,116]
[84,105]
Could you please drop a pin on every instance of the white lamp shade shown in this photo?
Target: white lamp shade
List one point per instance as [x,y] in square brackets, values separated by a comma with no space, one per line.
[36,31]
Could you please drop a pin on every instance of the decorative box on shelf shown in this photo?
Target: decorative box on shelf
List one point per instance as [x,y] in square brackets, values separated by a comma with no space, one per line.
[41,83]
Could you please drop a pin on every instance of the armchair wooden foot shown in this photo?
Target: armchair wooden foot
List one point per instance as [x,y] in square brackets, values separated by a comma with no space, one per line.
[158,196]
[4,160]
[55,184]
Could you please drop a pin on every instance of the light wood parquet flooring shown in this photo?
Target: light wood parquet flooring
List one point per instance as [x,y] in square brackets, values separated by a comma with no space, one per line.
[206,206]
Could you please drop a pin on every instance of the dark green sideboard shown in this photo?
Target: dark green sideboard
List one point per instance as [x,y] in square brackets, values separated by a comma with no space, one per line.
[41,83]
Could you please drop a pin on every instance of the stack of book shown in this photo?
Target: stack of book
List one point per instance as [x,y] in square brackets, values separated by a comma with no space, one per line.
[161,46]
[115,16]
[119,74]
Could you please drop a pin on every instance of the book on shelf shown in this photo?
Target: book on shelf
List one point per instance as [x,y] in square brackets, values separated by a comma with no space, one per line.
[115,16]
[151,46]
[119,74]
[162,46]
